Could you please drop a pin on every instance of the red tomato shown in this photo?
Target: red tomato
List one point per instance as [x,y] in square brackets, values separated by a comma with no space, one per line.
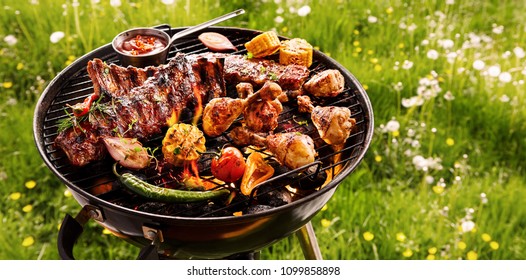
[230,166]
[216,42]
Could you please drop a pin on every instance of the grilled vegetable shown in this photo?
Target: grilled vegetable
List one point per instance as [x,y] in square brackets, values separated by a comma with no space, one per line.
[257,171]
[183,143]
[81,109]
[153,192]
[229,166]
[295,51]
[216,42]
[128,152]
[264,44]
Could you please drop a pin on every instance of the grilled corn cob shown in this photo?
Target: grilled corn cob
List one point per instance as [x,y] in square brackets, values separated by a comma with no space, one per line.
[295,51]
[264,44]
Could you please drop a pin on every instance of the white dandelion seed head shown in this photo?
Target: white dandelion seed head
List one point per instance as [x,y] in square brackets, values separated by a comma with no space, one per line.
[304,11]
[56,36]
[95,1]
[432,54]
[425,42]
[280,11]
[278,19]
[449,96]
[407,65]
[412,27]
[392,125]
[519,52]
[478,64]
[402,25]
[450,2]
[168,2]
[115,3]
[446,43]
[10,40]
[504,98]
[498,29]
[372,19]
[494,71]
[505,77]
[414,101]
[467,226]
[451,57]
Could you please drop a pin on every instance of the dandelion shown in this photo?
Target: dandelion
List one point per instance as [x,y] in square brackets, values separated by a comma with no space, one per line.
[412,27]
[378,158]
[7,84]
[10,40]
[472,255]
[438,189]
[407,64]
[407,253]
[378,68]
[30,184]
[278,19]
[15,196]
[28,208]
[20,66]
[462,245]
[432,54]
[372,19]
[504,98]
[324,208]
[115,3]
[432,250]
[28,241]
[498,29]
[430,257]
[56,36]
[368,236]
[106,231]
[414,101]
[450,141]
[392,125]
[168,2]
[389,10]
[67,193]
[494,71]
[400,236]
[325,223]
[483,198]
[446,43]
[450,2]
[519,52]
[467,226]
[366,87]
[505,77]
[494,245]
[304,11]
[486,237]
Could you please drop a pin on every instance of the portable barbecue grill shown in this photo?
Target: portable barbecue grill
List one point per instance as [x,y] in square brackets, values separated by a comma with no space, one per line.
[182,234]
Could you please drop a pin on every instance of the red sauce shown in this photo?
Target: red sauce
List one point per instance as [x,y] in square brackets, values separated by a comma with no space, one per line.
[142,44]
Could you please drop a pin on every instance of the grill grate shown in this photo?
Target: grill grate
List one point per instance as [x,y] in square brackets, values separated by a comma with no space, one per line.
[95,175]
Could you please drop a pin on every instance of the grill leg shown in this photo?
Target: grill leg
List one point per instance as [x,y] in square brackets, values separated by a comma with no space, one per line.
[309,243]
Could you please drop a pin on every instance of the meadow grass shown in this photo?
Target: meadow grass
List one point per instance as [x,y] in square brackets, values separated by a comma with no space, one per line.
[443,179]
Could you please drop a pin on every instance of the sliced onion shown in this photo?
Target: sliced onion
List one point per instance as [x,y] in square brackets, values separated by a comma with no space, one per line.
[128,152]
[216,42]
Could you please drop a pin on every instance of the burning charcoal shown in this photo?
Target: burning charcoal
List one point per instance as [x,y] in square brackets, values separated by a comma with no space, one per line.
[253,209]
[272,196]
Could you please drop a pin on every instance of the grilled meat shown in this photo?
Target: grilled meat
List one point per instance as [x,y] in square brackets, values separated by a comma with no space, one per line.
[262,115]
[143,110]
[328,83]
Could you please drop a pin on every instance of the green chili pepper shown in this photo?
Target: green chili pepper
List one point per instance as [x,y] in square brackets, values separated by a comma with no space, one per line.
[153,192]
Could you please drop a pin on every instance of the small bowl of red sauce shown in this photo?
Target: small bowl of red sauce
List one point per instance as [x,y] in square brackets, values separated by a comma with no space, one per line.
[141,47]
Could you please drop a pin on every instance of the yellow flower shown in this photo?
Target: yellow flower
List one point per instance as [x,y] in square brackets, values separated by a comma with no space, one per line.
[378,68]
[30,184]
[7,84]
[15,196]
[389,10]
[20,66]
[106,231]
[450,142]
[284,29]
[67,193]
[28,241]
[378,158]
[407,253]
[356,32]
[432,250]
[354,54]
[324,208]
[358,50]
[486,237]
[438,189]
[462,245]
[370,52]
[396,133]
[494,245]
[368,236]
[325,223]
[400,236]
[28,208]
[59,225]
[374,60]
[366,87]
[430,257]
[472,255]
[356,43]
[401,46]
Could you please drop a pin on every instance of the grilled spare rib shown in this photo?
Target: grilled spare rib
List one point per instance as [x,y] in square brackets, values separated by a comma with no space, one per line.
[139,103]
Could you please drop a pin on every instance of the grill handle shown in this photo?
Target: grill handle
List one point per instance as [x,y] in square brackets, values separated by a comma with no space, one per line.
[70,231]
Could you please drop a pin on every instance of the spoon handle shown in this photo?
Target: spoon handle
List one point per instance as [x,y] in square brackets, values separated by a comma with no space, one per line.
[205,25]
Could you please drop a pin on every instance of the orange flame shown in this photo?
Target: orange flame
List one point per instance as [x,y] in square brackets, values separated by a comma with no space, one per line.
[191,179]
[199,107]
[173,119]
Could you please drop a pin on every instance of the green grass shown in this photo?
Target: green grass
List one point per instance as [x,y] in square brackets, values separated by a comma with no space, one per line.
[478,138]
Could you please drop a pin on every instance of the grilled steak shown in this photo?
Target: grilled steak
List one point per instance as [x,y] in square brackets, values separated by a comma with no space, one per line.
[139,103]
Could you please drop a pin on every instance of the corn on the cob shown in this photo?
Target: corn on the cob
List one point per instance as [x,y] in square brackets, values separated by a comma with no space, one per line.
[295,51]
[264,44]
